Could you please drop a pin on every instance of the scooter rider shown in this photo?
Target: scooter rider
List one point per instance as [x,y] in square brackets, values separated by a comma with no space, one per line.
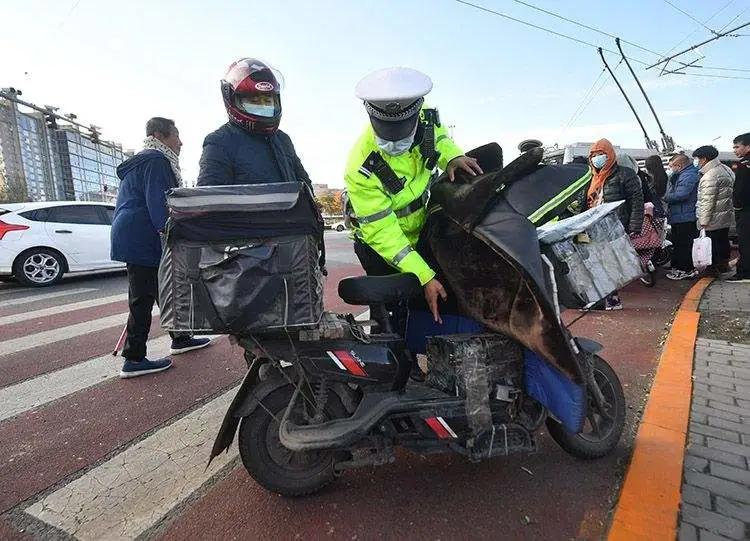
[250,148]
[389,171]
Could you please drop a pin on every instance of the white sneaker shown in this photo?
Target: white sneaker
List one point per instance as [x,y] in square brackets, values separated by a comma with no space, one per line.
[682,275]
[675,274]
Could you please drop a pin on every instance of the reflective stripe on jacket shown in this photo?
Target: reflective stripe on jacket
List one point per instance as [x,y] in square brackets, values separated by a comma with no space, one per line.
[390,223]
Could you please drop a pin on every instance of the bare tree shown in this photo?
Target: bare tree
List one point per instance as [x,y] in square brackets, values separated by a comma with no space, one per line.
[331,204]
[13,189]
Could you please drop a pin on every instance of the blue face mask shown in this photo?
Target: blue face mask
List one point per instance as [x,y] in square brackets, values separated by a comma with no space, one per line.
[599,160]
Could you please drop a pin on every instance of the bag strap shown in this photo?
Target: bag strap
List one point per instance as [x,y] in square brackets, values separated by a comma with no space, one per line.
[427,146]
[374,164]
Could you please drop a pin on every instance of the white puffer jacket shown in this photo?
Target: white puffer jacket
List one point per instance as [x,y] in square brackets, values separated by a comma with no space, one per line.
[714,208]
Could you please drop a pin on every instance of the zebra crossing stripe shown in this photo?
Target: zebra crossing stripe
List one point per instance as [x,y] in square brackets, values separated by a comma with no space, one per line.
[35,392]
[45,296]
[44,338]
[134,490]
[55,310]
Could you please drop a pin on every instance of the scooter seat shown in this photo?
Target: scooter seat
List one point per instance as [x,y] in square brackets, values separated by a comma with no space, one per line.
[361,290]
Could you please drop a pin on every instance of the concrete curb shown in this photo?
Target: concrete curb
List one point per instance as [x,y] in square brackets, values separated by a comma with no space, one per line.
[649,502]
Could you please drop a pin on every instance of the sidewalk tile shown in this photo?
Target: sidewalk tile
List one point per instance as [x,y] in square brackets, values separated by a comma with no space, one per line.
[713,522]
[696,496]
[716,413]
[696,463]
[730,474]
[717,455]
[743,428]
[733,491]
[734,509]
[687,532]
[729,447]
[720,433]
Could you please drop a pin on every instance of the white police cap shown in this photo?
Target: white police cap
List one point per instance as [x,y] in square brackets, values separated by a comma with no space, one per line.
[393,89]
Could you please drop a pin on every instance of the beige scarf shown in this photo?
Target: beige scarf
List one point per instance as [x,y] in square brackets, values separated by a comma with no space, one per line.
[152,142]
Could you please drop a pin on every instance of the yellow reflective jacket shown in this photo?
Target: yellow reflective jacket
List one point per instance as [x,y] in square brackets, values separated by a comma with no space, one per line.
[390,223]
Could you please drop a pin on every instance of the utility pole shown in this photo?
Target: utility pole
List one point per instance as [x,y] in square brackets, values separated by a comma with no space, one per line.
[649,143]
[717,36]
[666,141]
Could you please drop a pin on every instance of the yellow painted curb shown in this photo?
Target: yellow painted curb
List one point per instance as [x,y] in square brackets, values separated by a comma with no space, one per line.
[650,498]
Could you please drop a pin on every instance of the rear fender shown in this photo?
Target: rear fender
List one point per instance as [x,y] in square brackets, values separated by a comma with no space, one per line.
[589,346]
[252,392]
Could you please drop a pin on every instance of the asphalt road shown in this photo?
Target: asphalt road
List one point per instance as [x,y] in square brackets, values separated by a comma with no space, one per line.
[87,455]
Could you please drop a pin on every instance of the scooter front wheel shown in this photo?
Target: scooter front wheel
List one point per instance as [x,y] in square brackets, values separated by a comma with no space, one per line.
[602,430]
[272,465]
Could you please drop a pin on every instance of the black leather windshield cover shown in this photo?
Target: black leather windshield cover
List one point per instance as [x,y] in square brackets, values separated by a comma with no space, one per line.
[489,254]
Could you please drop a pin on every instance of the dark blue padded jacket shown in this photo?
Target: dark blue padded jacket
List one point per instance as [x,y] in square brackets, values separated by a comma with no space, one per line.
[231,155]
[141,210]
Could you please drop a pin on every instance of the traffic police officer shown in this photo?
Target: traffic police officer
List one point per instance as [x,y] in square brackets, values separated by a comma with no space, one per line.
[389,171]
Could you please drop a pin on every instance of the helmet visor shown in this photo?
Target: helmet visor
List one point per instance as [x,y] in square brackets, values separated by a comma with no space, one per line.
[391,130]
[259,72]
[262,105]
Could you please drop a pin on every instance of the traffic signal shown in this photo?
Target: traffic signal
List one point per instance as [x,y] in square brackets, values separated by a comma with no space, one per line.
[51,121]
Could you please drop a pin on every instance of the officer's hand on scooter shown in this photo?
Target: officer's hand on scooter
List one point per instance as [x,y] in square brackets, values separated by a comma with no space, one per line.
[432,290]
[465,163]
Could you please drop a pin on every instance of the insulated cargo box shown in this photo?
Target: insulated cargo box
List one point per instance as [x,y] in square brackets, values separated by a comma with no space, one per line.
[241,259]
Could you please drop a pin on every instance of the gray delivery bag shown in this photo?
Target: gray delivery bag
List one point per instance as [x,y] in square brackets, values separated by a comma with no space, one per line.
[241,259]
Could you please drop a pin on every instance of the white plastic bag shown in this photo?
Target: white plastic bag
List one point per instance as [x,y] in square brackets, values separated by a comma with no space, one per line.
[702,251]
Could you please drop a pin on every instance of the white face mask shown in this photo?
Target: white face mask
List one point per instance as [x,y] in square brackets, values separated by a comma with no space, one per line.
[395,148]
[697,163]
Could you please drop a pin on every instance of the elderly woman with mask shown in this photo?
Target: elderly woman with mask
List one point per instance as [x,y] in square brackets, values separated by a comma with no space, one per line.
[611,182]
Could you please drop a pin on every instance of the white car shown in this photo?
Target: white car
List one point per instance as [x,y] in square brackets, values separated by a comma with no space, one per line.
[338,226]
[39,242]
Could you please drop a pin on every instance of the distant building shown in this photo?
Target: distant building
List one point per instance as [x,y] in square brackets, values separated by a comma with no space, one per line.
[41,161]
[12,175]
[88,167]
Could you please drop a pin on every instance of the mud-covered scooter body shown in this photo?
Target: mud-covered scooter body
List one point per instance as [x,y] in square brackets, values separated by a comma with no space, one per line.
[319,400]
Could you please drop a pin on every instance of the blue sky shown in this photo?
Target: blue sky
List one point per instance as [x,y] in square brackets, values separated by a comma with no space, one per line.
[118,63]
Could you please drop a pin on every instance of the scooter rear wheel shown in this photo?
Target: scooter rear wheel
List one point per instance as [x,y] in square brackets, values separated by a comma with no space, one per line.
[272,465]
[600,433]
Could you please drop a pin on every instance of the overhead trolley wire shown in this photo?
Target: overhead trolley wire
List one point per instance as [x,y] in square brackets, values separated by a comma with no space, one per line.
[588,98]
[740,14]
[549,31]
[710,75]
[589,44]
[583,100]
[690,17]
[578,23]
[691,34]
[632,44]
